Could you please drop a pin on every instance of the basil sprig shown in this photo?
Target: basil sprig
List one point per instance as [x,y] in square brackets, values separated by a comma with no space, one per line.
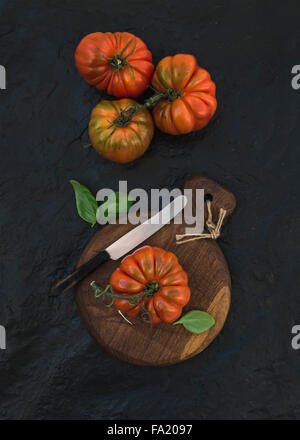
[87,206]
[86,203]
[196,321]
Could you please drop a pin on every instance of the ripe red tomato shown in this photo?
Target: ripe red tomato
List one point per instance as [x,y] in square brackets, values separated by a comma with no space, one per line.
[119,63]
[156,271]
[191,102]
[117,137]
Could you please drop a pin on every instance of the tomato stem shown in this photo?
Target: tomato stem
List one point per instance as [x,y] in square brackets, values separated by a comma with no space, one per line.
[127,114]
[151,288]
[135,300]
[169,95]
[108,291]
[118,61]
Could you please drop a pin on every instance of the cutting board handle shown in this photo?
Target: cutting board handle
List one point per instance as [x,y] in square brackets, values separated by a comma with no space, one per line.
[219,196]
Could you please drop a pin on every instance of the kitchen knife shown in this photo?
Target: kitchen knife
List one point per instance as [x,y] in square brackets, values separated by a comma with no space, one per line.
[123,245]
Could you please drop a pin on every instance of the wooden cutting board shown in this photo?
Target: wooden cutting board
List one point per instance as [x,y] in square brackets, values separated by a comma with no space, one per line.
[209,280]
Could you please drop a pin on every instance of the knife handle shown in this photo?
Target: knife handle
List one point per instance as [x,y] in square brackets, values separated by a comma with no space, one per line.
[80,273]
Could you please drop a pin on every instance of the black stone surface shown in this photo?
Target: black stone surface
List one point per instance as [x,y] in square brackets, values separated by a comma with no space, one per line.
[52,369]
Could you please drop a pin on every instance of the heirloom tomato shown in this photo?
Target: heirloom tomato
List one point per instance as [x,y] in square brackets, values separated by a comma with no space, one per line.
[119,63]
[191,103]
[116,135]
[156,273]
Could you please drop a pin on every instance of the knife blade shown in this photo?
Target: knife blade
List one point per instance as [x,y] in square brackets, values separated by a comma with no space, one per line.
[123,245]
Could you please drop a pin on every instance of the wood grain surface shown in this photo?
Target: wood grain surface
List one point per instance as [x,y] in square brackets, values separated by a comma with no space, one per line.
[209,280]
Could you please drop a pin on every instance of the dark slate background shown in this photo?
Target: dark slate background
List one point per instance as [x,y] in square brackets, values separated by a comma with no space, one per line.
[52,369]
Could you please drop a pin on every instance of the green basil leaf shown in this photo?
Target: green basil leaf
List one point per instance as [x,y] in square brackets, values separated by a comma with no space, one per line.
[85,201]
[196,321]
[115,205]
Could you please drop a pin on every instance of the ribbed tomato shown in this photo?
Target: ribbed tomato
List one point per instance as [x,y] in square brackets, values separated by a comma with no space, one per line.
[119,63]
[158,274]
[192,101]
[117,136]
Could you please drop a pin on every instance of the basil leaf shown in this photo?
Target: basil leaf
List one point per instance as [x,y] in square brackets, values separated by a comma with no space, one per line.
[85,201]
[115,205]
[196,321]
